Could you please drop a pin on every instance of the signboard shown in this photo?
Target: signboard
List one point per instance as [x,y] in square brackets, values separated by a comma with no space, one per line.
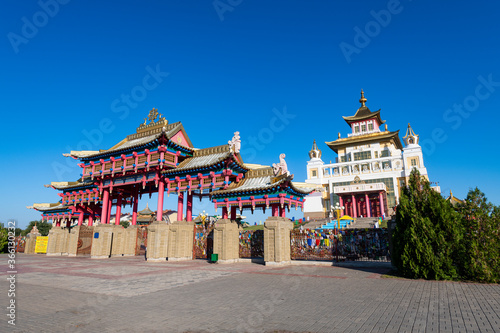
[41,244]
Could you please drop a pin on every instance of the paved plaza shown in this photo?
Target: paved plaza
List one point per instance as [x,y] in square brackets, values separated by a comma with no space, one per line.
[61,294]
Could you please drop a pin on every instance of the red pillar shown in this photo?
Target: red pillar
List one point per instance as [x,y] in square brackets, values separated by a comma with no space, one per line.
[275,210]
[224,212]
[282,211]
[381,200]
[81,216]
[189,207]
[180,206]
[105,206]
[118,210]
[68,222]
[341,202]
[354,204]
[233,213]
[110,206]
[368,208]
[91,218]
[161,193]
[58,222]
[134,209]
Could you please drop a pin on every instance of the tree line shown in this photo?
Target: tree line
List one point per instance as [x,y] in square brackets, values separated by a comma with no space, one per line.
[437,240]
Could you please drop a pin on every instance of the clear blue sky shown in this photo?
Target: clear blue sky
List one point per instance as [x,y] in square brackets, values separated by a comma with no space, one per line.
[229,67]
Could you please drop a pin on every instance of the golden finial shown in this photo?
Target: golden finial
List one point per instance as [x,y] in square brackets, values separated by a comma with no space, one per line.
[362,100]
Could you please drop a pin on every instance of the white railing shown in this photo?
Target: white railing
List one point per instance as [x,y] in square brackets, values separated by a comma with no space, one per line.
[375,165]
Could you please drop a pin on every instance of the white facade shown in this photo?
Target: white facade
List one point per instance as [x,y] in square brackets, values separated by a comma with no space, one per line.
[370,161]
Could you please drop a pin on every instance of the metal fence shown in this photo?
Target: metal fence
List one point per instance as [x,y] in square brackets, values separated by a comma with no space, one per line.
[203,241]
[252,244]
[343,245]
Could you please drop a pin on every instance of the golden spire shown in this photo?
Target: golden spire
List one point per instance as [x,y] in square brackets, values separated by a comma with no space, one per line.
[362,100]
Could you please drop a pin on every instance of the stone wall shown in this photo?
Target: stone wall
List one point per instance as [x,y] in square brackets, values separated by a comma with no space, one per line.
[227,241]
[277,241]
[158,236]
[101,244]
[180,241]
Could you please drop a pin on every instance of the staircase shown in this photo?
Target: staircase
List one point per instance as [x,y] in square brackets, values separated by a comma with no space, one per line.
[364,222]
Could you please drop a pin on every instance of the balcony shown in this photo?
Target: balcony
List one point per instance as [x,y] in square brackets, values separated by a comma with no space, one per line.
[358,188]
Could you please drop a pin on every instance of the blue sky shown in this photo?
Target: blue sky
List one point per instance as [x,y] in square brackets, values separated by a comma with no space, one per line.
[280,72]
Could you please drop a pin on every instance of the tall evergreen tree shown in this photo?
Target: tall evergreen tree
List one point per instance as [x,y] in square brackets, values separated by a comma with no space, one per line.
[480,250]
[427,233]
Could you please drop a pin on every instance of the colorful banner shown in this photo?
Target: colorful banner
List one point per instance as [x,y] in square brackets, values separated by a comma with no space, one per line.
[41,244]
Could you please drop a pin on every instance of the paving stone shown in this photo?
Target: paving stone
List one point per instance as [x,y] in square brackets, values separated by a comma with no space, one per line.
[62,294]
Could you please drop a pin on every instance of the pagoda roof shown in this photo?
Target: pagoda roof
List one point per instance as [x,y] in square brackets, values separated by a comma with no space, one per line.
[364,112]
[364,139]
[259,180]
[71,185]
[146,211]
[145,136]
[208,159]
[46,207]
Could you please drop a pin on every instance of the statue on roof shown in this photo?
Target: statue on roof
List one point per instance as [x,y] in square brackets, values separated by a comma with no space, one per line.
[280,168]
[235,143]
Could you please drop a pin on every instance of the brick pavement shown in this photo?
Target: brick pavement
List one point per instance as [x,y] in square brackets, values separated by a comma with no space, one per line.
[61,294]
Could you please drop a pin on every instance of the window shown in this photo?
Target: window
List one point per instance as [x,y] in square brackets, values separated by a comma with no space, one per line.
[363,128]
[384,153]
[413,162]
[376,154]
[343,159]
[364,155]
[314,173]
[356,129]
[370,126]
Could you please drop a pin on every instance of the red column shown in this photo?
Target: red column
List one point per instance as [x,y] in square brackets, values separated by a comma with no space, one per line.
[58,222]
[233,213]
[68,223]
[161,193]
[118,210]
[354,204]
[381,200]
[368,212]
[180,206]
[189,207]
[282,211]
[275,210]
[81,216]
[91,218]
[341,202]
[134,209]
[105,206]
[110,206]
[224,212]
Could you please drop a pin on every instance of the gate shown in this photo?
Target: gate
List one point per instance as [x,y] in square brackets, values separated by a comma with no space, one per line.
[84,240]
[252,244]
[141,241]
[203,245]
[20,243]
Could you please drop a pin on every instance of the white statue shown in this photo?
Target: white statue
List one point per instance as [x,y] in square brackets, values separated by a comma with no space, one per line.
[235,143]
[280,168]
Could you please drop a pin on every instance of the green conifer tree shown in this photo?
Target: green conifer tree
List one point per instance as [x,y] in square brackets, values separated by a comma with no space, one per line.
[427,234]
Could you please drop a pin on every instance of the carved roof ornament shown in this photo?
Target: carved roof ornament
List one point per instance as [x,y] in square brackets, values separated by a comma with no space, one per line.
[235,143]
[280,168]
[153,114]
[362,100]
[315,152]
[410,138]
[357,180]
